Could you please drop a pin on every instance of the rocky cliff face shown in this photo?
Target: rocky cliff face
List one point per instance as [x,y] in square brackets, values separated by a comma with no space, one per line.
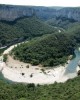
[12,12]
[8,12]
[72,13]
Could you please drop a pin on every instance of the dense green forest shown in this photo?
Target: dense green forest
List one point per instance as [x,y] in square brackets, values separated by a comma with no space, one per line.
[69,90]
[48,50]
[51,49]
[21,29]
[62,22]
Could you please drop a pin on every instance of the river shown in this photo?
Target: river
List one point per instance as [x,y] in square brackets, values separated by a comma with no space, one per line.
[73,63]
[70,70]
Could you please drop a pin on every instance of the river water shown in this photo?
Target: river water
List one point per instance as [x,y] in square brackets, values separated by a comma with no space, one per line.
[71,68]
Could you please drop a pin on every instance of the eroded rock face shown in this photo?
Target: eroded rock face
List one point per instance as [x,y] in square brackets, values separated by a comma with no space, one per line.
[72,13]
[10,13]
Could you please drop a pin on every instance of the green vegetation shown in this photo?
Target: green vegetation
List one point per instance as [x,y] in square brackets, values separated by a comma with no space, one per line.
[5,57]
[57,91]
[48,50]
[62,22]
[22,29]
[1,51]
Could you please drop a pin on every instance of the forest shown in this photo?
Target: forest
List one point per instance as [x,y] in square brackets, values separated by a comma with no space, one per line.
[22,29]
[48,50]
[69,90]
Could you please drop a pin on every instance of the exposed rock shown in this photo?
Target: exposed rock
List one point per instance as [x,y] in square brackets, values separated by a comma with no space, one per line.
[10,13]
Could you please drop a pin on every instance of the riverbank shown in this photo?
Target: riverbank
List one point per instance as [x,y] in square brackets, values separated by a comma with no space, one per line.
[22,72]
[17,71]
[11,47]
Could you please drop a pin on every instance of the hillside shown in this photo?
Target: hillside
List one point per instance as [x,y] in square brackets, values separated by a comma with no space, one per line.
[57,91]
[74,32]
[48,50]
[21,29]
[62,22]
[51,49]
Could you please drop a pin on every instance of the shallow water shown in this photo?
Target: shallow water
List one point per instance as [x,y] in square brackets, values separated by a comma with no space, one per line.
[73,63]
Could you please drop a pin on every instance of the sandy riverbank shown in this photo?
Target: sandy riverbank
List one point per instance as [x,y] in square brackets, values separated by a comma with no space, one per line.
[33,74]
[13,70]
[11,47]
[22,72]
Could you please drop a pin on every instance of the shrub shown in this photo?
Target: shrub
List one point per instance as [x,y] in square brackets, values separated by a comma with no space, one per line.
[5,57]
